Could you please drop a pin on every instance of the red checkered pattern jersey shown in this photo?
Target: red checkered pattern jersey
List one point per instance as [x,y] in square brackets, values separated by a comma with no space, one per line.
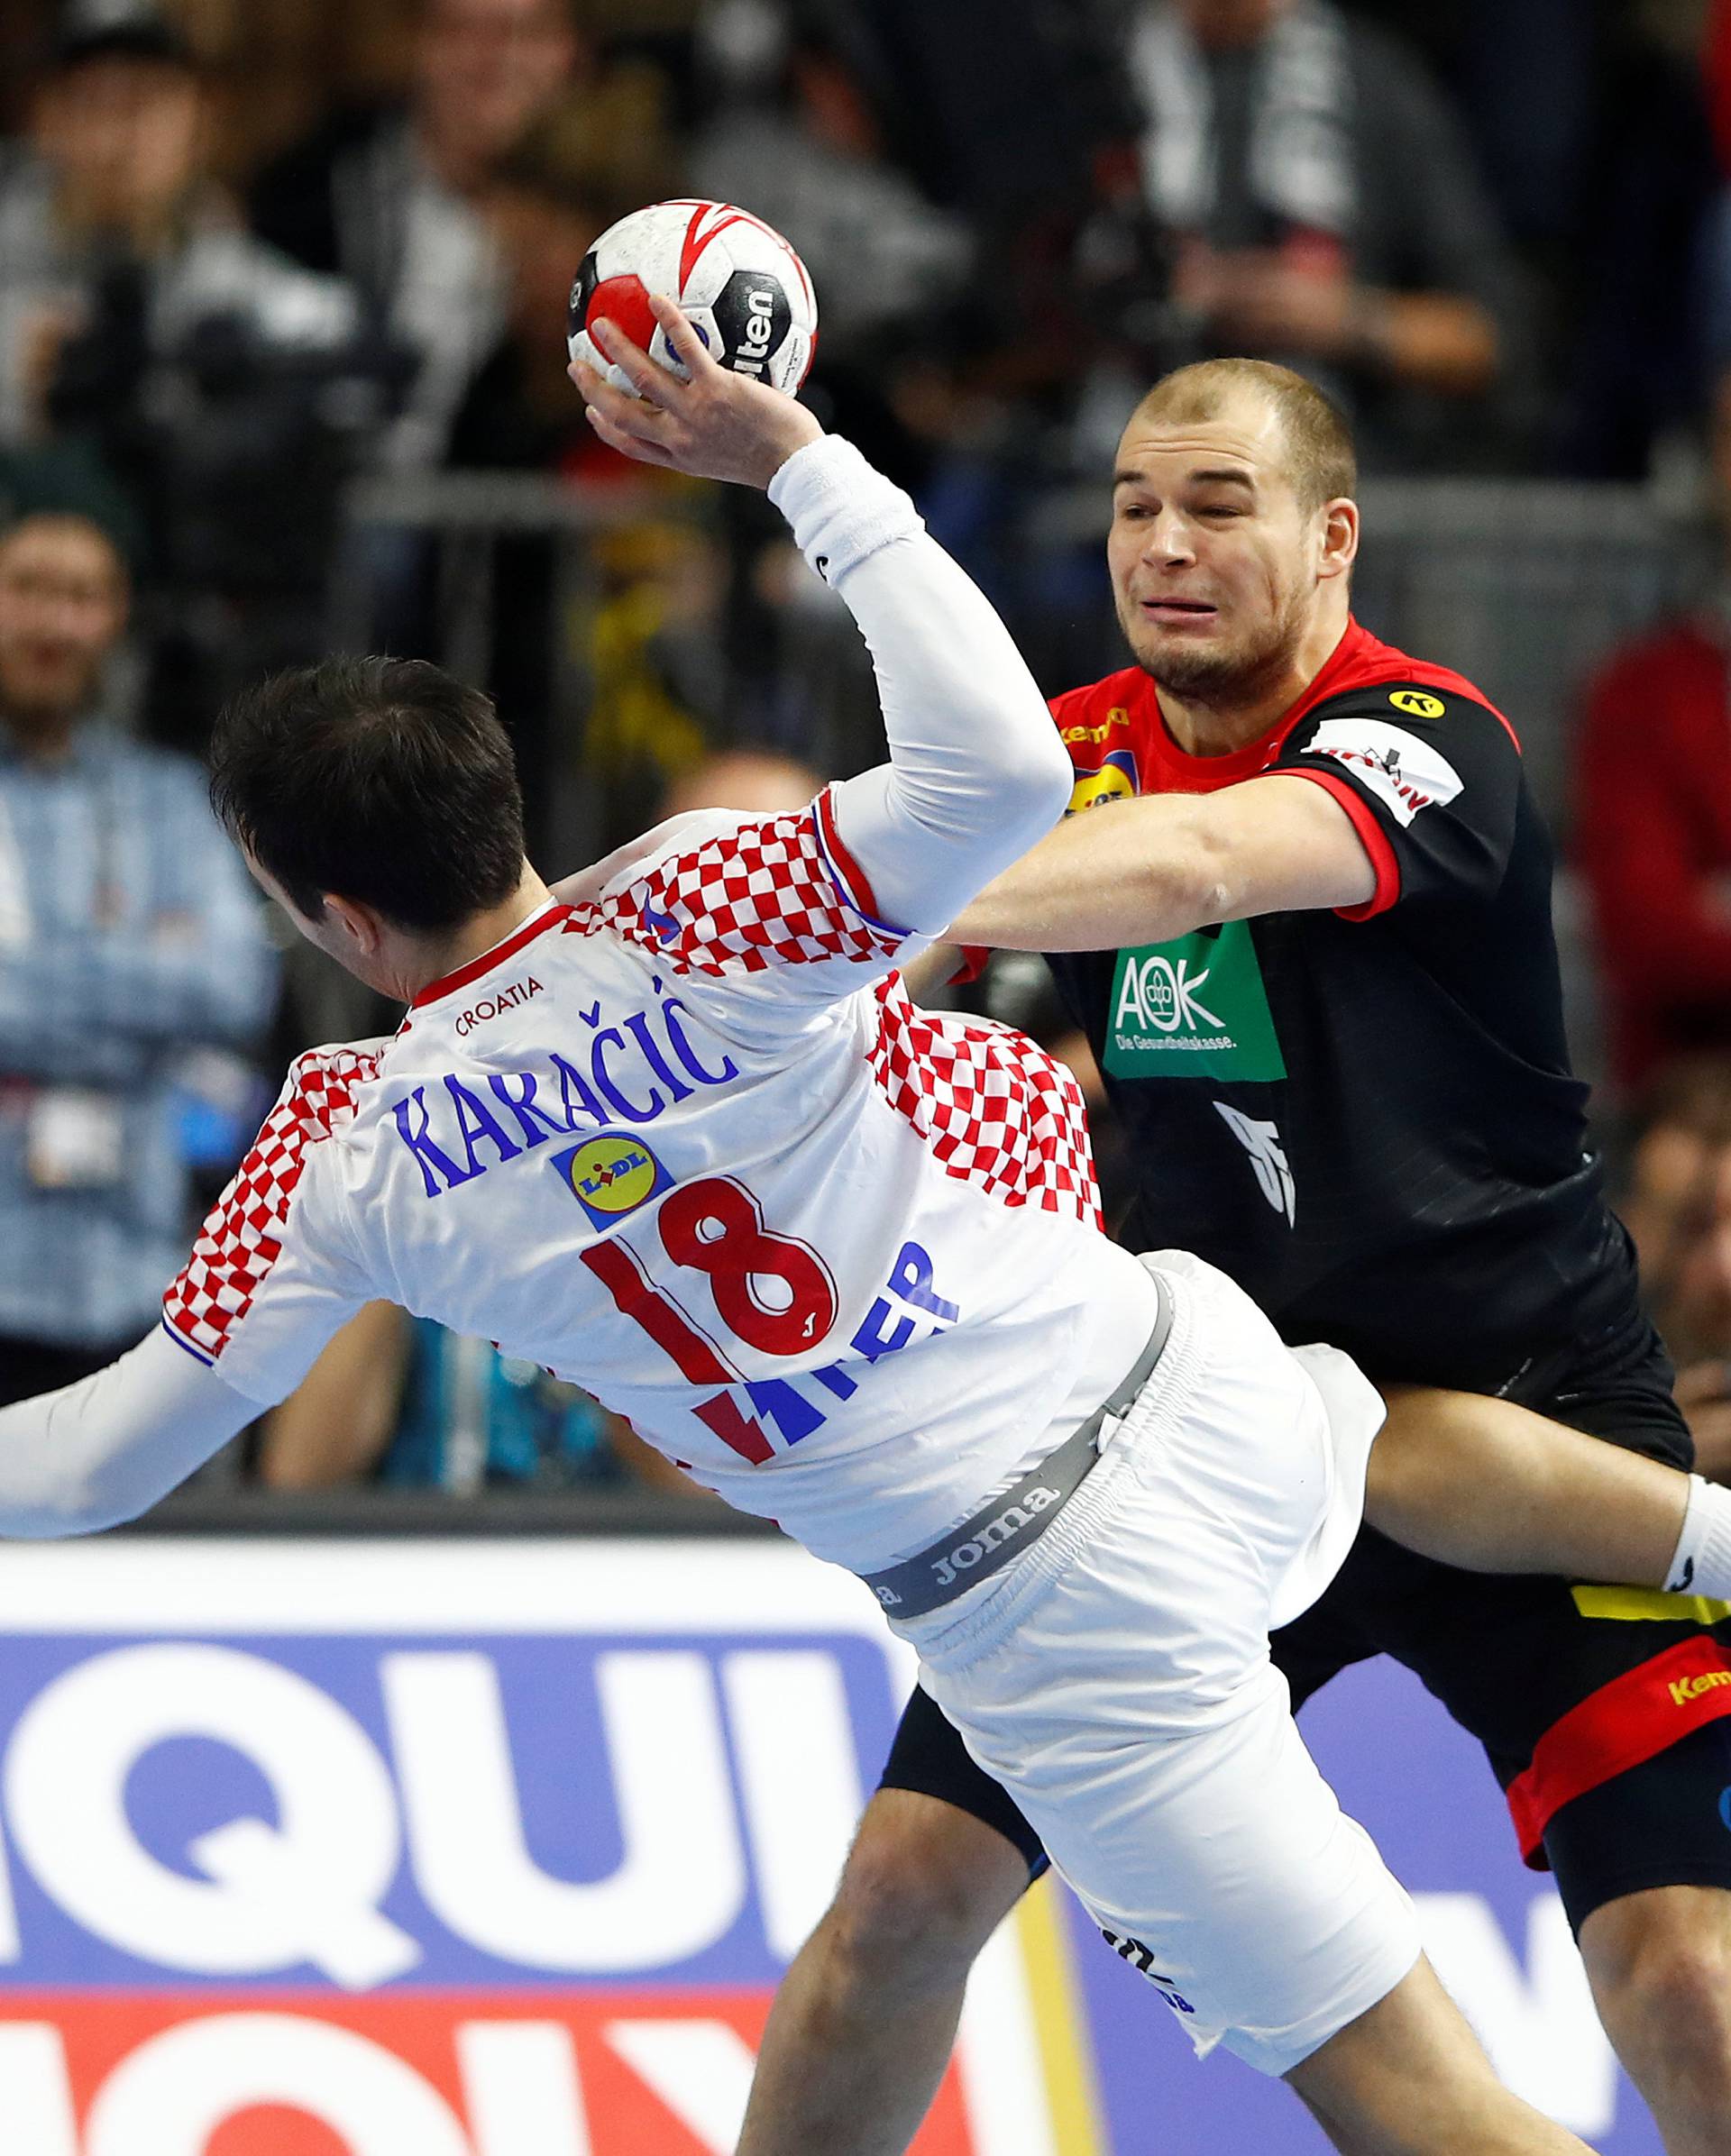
[242,1236]
[767,893]
[996,1111]
[689,1145]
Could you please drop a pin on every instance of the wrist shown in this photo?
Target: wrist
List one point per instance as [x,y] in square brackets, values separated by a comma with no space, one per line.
[841,509]
[800,432]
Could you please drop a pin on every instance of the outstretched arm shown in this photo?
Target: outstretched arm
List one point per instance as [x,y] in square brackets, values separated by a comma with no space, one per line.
[976,772]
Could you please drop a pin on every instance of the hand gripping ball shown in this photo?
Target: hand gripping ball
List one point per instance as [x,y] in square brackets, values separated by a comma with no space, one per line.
[743,289]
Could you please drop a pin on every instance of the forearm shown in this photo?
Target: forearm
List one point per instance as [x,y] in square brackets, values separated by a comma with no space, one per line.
[1490,1487]
[975,771]
[1139,871]
[105,1449]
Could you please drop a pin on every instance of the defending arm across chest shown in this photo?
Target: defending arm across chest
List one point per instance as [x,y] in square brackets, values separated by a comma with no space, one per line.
[1148,870]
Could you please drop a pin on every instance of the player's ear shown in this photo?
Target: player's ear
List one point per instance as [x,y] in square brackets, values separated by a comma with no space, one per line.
[1338,548]
[361,925]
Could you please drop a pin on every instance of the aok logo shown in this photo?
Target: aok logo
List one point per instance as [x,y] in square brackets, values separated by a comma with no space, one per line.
[1193,1008]
[1166,995]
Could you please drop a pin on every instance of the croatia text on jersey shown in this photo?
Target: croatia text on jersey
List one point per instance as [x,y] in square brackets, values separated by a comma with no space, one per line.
[632,1072]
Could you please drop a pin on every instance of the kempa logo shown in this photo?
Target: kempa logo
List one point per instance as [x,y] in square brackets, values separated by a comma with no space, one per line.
[1159,994]
[1685,1688]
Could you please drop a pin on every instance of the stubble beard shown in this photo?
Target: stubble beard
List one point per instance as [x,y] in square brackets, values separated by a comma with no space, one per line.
[1240,674]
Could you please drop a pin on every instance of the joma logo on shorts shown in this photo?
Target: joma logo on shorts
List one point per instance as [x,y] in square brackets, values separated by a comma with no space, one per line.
[1685,1688]
[995,1533]
[1139,1958]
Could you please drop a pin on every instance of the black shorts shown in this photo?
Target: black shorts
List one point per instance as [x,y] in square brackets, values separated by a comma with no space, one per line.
[1607,1720]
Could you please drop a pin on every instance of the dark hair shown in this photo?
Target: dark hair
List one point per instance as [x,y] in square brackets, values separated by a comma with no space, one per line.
[384,781]
[1320,459]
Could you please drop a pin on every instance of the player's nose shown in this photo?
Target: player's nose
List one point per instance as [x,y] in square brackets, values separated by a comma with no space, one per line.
[1169,539]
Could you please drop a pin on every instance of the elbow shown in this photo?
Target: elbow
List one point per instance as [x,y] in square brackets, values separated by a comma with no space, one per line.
[1033,782]
[1191,884]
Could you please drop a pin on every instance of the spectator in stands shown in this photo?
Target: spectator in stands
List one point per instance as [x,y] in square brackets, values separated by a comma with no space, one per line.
[113,237]
[810,158]
[548,198]
[1654,822]
[1325,212]
[129,935]
[544,209]
[1644,265]
[392,199]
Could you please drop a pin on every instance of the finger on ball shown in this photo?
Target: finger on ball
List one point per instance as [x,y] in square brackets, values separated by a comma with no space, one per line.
[682,337]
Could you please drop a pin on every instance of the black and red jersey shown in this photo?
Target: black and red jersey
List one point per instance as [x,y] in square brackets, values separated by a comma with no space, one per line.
[1366,1117]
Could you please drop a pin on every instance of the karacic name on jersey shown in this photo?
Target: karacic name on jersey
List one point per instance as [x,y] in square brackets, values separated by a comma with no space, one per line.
[633,1073]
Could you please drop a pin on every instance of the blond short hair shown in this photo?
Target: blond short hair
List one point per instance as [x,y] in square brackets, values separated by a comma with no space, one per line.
[1321,461]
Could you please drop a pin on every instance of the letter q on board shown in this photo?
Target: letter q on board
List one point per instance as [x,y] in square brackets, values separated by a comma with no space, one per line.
[305,1890]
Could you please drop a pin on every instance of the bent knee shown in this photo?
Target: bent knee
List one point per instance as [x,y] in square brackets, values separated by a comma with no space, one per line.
[924,1887]
[1663,1987]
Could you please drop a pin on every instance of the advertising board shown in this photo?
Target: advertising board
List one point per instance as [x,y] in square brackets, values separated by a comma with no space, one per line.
[457,1848]
[472,1848]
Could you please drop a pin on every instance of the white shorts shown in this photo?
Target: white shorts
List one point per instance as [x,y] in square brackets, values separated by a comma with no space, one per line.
[1117,1681]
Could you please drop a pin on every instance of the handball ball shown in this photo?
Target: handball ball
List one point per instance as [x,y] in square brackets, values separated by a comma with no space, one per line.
[743,289]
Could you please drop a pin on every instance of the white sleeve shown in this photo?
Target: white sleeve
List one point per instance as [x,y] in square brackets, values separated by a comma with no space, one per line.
[106,1449]
[976,773]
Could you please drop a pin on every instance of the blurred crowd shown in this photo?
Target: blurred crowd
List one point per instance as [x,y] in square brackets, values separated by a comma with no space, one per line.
[275,273]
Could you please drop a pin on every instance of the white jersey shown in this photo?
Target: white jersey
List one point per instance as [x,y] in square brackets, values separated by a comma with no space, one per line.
[692,1147]
[689,1143]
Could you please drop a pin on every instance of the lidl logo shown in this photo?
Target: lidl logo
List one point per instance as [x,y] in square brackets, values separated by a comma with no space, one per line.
[1115,780]
[1416,702]
[611,1175]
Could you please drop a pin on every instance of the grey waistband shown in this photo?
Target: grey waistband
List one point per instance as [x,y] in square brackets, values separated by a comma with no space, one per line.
[1018,1515]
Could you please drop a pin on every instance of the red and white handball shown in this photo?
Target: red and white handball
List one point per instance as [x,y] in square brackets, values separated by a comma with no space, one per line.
[743,289]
